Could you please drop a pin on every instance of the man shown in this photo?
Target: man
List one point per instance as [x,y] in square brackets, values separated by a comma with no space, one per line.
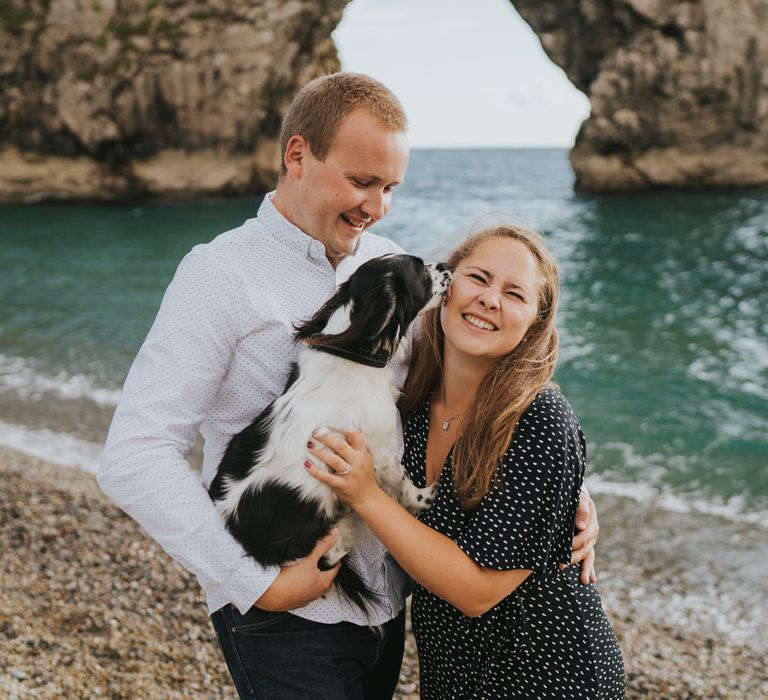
[220,351]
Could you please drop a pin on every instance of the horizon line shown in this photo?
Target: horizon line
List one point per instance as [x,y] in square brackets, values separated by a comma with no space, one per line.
[430,147]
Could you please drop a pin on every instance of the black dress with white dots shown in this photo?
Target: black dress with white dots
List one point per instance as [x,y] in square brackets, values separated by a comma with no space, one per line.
[550,638]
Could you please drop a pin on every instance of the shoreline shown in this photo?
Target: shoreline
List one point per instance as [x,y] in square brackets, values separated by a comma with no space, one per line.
[90,607]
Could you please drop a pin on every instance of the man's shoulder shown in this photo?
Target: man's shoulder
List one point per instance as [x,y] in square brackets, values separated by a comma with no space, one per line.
[230,243]
[370,246]
[373,245]
[233,251]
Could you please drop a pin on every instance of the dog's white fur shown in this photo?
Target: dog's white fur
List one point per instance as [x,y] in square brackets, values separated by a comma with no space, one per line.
[335,394]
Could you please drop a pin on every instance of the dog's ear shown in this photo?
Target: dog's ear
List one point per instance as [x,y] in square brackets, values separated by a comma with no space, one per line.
[304,330]
[373,319]
[383,313]
[382,299]
[370,317]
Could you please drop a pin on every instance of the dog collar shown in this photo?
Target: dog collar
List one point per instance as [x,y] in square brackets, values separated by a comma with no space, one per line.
[378,360]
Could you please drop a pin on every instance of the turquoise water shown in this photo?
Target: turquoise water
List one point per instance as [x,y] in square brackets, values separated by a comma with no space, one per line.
[663,322]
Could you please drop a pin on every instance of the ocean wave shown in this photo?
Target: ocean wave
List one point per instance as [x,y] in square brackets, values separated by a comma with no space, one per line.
[742,368]
[22,376]
[56,448]
[70,451]
[732,509]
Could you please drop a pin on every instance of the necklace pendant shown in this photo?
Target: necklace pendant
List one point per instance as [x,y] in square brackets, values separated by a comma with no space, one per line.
[446,424]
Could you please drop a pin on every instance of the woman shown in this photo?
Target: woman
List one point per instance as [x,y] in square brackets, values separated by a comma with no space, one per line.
[493,613]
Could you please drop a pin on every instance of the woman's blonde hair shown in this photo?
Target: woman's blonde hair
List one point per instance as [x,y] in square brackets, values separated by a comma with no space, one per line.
[511,386]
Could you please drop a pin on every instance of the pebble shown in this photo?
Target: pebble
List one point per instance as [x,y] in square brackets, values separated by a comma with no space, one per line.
[91,608]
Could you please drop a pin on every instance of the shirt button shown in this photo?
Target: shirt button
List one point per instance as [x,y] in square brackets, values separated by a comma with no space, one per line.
[316,250]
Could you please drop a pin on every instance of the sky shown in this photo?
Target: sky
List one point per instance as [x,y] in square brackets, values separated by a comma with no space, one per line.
[468,74]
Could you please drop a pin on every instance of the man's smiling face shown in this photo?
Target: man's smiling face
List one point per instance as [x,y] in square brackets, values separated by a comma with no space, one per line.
[336,199]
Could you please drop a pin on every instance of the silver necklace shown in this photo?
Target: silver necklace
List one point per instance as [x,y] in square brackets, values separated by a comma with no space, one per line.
[447,421]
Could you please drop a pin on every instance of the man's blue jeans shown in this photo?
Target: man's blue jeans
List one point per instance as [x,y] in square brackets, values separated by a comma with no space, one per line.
[279,656]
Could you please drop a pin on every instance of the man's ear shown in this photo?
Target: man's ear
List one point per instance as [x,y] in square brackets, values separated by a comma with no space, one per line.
[295,151]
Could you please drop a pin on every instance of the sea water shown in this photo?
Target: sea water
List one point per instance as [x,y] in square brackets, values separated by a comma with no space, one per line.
[664,329]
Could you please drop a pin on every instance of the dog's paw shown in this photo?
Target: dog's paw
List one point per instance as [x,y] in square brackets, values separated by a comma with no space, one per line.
[333,556]
[324,563]
[417,500]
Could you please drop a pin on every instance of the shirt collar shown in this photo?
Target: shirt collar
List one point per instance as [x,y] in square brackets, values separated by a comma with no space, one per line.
[292,236]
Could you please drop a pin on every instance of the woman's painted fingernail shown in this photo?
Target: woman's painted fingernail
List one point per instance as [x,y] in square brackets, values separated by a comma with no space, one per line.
[310,444]
[307,464]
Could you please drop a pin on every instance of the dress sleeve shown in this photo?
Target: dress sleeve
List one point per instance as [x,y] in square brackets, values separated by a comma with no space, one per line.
[527,519]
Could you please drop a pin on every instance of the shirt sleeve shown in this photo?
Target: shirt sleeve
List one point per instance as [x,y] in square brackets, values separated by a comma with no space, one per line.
[527,519]
[169,390]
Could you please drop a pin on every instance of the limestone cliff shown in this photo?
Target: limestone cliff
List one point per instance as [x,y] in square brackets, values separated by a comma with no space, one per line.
[115,98]
[678,88]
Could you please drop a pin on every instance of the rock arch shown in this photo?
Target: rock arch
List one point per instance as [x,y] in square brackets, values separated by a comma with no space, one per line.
[678,88]
[116,98]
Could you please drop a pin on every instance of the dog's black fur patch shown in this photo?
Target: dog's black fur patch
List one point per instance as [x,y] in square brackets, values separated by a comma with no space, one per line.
[267,535]
[275,522]
[261,526]
[366,332]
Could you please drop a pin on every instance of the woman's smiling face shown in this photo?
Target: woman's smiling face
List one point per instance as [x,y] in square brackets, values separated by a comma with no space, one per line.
[493,300]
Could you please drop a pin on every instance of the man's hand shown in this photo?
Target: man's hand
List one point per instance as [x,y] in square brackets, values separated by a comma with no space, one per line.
[300,583]
[583,544]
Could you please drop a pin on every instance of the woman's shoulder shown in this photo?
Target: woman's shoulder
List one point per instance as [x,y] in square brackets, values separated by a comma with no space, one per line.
[550,408]
[547,445]
[548,424]
[547,437]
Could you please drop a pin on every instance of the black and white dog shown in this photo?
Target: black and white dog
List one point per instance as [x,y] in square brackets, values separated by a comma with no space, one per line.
[262,490]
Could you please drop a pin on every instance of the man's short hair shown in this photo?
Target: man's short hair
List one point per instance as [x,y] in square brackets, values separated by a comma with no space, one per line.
[320,106]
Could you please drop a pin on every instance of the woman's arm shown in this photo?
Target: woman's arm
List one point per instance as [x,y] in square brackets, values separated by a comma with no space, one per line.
[432,559]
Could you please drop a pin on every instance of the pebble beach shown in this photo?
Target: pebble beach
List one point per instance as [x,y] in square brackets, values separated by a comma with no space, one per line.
[90,607]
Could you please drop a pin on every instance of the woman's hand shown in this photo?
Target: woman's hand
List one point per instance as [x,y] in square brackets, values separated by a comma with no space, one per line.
[351,465]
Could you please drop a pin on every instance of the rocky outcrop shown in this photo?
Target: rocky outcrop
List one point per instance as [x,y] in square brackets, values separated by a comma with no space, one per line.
[123,98]
[678,88]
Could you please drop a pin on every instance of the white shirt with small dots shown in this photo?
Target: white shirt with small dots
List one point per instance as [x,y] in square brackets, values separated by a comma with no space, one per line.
[220,351]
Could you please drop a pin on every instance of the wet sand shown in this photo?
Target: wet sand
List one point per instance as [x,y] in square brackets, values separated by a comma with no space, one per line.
[90,607]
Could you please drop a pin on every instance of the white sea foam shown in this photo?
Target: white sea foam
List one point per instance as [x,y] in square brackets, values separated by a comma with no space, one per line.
[21,375]
[67,450]
[741,364]
[570,351]
[57,448]
[731,509]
